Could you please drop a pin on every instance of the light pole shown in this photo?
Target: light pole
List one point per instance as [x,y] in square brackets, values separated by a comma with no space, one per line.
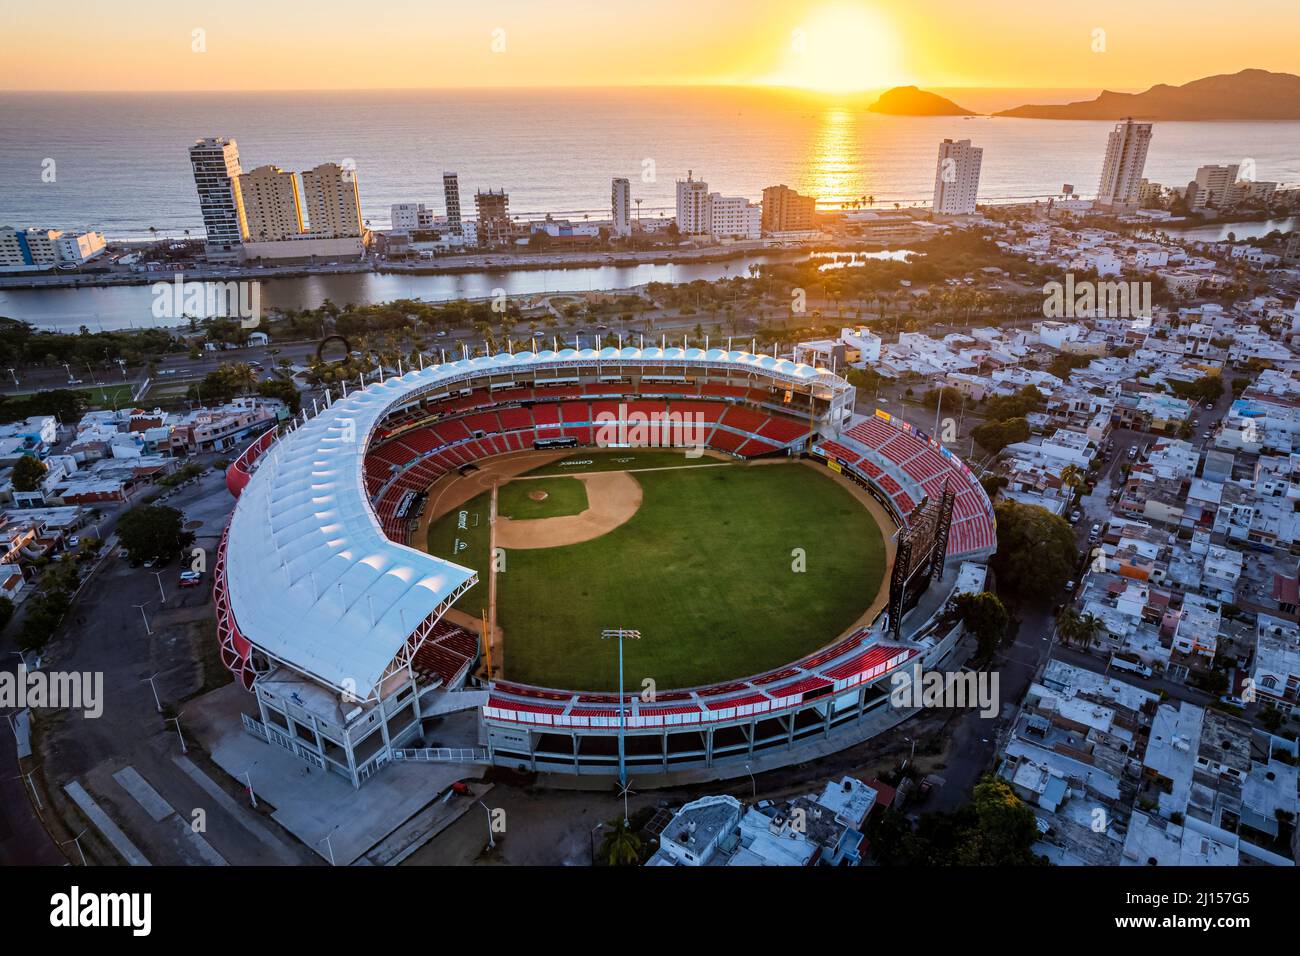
[753,783]
[177,721]
[492,844]
[619,634]
[251,795]
[912,756]
[156,702]
[162,595]
[144,617]
[329,845]
[77,840]
[35,796]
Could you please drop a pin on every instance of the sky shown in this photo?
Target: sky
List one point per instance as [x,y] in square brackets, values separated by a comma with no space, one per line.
[834,46]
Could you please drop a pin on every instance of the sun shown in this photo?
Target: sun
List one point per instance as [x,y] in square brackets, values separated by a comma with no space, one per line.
[841,48]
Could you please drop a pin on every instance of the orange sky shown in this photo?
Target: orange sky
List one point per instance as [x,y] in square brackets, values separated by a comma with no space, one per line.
[835,45]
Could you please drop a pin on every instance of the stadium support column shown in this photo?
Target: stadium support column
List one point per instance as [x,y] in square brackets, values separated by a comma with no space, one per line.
[898,583]
[946,503]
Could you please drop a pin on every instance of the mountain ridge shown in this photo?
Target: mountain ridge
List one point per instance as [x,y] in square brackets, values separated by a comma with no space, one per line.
[1245,95]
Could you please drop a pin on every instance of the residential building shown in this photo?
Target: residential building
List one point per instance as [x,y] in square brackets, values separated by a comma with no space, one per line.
[693,206]
[492,209]
[1126,155]
[215,162]
[957,178]
[784,210]
[272,205]
[620,200]
[734,217]
[451,197]
[332,201]
[1213,186]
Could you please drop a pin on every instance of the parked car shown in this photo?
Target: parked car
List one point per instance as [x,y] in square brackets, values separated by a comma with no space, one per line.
[191,579]
[74,541]
[1075,515]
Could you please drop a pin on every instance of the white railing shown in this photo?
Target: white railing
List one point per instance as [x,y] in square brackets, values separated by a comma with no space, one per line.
[443,754]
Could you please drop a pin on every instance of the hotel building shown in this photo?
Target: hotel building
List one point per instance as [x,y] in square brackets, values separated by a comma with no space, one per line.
[35,249]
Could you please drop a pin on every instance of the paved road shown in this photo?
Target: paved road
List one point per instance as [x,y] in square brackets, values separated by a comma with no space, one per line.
[106,632]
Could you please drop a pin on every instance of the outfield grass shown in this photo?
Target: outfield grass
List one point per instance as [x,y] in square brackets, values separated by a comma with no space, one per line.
[703,570]
[564,496]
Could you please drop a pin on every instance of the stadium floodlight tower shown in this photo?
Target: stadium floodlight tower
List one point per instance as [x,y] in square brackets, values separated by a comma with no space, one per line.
[619,634]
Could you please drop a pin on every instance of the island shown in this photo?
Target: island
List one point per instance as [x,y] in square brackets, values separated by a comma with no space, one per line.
[910,101]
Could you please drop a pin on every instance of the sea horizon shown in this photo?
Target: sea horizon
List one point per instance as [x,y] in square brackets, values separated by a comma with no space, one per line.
[121,163]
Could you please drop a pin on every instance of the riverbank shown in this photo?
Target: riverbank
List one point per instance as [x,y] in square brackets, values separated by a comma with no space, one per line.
[449,266]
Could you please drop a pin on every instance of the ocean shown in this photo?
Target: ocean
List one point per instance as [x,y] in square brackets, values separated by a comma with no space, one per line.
[120,162]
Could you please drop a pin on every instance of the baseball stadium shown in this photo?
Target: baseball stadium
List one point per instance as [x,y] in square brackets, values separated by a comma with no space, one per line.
[682,563]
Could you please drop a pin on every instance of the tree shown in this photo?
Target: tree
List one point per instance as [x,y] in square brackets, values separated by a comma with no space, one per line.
[621,847]
[1036,553]
[284,390]
[1072,477]
[1005,832]
[994,829]
[29,472]
[1090,628]
[1207,388]
[995,436]
[1067,628]
[153,533]
[986,617]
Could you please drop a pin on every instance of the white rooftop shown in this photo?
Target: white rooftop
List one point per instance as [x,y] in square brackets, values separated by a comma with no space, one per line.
[313,580]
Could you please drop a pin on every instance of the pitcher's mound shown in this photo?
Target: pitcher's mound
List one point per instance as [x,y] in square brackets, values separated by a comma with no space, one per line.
[612,499]
[538,495]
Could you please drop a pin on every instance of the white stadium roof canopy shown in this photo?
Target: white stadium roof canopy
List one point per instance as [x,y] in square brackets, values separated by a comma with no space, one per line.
[313,580]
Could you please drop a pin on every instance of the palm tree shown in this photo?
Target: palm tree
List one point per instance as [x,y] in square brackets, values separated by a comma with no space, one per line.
[1072,478]
[1067,628]
[621,847]
[243,377]
[1091,627]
